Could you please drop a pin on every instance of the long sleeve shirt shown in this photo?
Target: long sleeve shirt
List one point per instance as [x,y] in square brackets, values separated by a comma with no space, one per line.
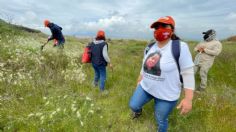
[211,50]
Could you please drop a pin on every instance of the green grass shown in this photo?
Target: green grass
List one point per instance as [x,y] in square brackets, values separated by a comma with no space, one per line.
[51,90]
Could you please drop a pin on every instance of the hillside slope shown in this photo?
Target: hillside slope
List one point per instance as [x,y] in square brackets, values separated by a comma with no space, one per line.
[6,27]
[232,38]
[51,90]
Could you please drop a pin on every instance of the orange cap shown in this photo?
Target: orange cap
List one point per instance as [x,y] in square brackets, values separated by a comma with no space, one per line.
[165,20]
[46,22]
[100,33]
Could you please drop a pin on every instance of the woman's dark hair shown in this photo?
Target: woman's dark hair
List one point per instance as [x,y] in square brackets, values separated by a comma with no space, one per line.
[101,38]
[174,36]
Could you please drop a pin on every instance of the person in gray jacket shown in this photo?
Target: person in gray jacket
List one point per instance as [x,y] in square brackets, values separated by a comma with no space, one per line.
[207,51]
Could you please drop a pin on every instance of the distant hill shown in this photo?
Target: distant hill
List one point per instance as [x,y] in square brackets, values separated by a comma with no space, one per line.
[4,27]
[232,38]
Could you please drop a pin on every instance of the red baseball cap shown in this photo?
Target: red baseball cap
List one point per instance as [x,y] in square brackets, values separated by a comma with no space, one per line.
[100,33]
[46,22]
[166,20]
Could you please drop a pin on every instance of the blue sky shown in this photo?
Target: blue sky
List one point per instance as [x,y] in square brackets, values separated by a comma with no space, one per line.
[124,18]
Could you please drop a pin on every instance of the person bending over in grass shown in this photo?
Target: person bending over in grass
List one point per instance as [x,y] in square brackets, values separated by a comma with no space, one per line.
[164,86]
[57,35]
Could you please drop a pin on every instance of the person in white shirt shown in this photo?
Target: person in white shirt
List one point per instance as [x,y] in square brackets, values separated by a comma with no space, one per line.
[160,77]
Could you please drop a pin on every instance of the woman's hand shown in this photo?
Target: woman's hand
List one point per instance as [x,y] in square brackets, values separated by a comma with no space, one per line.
[185,106]
[201,48]
[110,65]
[139,79]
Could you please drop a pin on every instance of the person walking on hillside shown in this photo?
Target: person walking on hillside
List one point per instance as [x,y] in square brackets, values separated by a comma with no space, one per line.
[57,35]
[207,51]
[160,76]
[100,59]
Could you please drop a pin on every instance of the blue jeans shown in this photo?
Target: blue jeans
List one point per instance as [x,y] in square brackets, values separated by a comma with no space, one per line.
[162,107]
[100,74]
[61,44]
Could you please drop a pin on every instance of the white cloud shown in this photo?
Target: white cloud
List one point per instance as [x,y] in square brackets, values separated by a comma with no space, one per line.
[106,23]
[125,18]
[231,16]
[30,15]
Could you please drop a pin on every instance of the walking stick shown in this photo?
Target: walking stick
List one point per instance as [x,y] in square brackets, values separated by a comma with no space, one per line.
[41,48]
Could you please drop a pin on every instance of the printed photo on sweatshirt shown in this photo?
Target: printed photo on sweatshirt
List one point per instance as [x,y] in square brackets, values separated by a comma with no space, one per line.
[152,64]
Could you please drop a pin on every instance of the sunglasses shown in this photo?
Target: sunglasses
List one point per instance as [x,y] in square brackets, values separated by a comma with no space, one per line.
[162,25]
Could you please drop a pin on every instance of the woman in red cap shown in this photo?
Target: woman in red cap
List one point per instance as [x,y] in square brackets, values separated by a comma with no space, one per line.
[164,86]
[100,59]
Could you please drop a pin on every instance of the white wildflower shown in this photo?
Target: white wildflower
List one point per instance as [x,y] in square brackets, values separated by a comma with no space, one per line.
[10,76]
[81,123]
[46,103]
[91,111]
[38,114]
[73,108]
[42,58]
[53,113]
[14,82]
[101,117]
[1,64]
[58,109]
[92,105]
[30,115]
[1,74]
[78,114]
[42,118]
[87,98]
[44,98]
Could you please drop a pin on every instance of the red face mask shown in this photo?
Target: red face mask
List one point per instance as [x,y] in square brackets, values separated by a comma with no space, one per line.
[162,34]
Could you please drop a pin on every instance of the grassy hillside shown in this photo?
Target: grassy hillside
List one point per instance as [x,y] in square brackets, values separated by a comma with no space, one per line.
[232,38]
[51,90]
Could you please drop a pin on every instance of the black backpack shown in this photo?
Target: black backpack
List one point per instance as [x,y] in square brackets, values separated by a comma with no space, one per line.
[175,48]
